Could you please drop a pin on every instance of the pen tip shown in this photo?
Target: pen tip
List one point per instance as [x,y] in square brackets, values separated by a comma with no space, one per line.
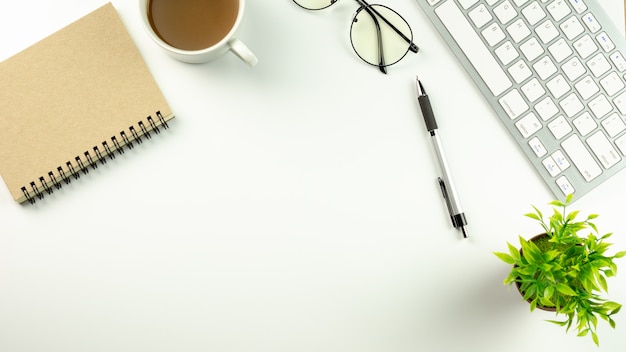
[464,231]
[420,87]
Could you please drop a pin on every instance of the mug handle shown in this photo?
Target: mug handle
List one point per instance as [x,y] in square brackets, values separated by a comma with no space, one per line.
[241,50]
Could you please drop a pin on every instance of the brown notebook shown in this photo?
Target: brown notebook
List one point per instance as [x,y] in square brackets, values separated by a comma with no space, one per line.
[72,100]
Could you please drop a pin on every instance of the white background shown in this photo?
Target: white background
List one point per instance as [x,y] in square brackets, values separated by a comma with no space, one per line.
[290,207]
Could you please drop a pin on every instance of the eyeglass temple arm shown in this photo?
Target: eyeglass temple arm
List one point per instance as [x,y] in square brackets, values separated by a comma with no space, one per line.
[414,48]
[381,57]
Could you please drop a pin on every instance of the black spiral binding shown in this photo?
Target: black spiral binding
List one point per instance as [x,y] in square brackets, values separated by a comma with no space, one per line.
[98,154]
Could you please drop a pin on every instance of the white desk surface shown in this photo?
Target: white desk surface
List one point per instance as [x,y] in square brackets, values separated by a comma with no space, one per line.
[291,207]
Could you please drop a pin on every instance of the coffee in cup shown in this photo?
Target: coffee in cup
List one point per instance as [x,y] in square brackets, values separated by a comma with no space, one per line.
[196,31]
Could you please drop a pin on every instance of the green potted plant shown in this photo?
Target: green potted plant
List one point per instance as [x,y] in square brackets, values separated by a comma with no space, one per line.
[564,269]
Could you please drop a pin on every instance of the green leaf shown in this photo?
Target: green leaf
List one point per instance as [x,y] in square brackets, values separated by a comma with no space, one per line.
[505,257]
[514,252]
[550,255]
[620,254]
[615,311]
[558,203]
[533,216]
[602,247]
[556,218]
[560,323]
[612,307]
[550,277]
[594,320]
[538,212]
[548,292]
[602,282]
[533,305]
[594,336]
[571,216]
[566,290]
[526,271]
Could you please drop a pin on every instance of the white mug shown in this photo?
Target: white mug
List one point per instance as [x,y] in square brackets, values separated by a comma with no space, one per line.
[228,43]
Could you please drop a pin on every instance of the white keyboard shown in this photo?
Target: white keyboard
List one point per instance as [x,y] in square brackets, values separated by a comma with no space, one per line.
[554,72]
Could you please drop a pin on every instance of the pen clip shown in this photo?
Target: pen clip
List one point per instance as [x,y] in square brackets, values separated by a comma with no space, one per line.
[444,192]
[458,220]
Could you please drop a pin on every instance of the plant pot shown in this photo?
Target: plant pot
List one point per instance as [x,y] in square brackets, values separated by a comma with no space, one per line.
[518,284]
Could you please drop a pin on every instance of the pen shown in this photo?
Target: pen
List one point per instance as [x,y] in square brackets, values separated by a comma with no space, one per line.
[445,181]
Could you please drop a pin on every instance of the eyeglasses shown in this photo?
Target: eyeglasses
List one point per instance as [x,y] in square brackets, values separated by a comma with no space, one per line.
[379,35]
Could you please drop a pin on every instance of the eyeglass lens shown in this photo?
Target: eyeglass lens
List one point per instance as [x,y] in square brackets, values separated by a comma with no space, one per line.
[374,35]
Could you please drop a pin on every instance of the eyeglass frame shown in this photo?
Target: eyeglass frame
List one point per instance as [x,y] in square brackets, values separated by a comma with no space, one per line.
[373,13]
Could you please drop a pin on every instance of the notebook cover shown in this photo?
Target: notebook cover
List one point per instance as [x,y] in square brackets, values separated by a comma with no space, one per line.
[68,93]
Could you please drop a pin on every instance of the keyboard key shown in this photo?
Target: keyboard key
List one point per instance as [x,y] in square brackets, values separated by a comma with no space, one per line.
[571,105]
[587,87]
[551,166]
[560,50]
[585,124]
[537,147]
[619,61]
[600,106]
[531,49]
[546,108]
[505,12]
[545,68]
[471,45]
[591,23]
[599,65]
[559,127]
[558,86]
[613,125]
[528,125]
[604,151]
[518,30]
[533,90]
[547,31]
[560,159]
[585,46]
[612,83]
[573,68]
[480,16]
[581,157]
[605,42]
[579,5]
[513,104]
[506,53]
[493,34]
[565,185]
[520,71]
[533,13]
[572,27]
[559,9]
